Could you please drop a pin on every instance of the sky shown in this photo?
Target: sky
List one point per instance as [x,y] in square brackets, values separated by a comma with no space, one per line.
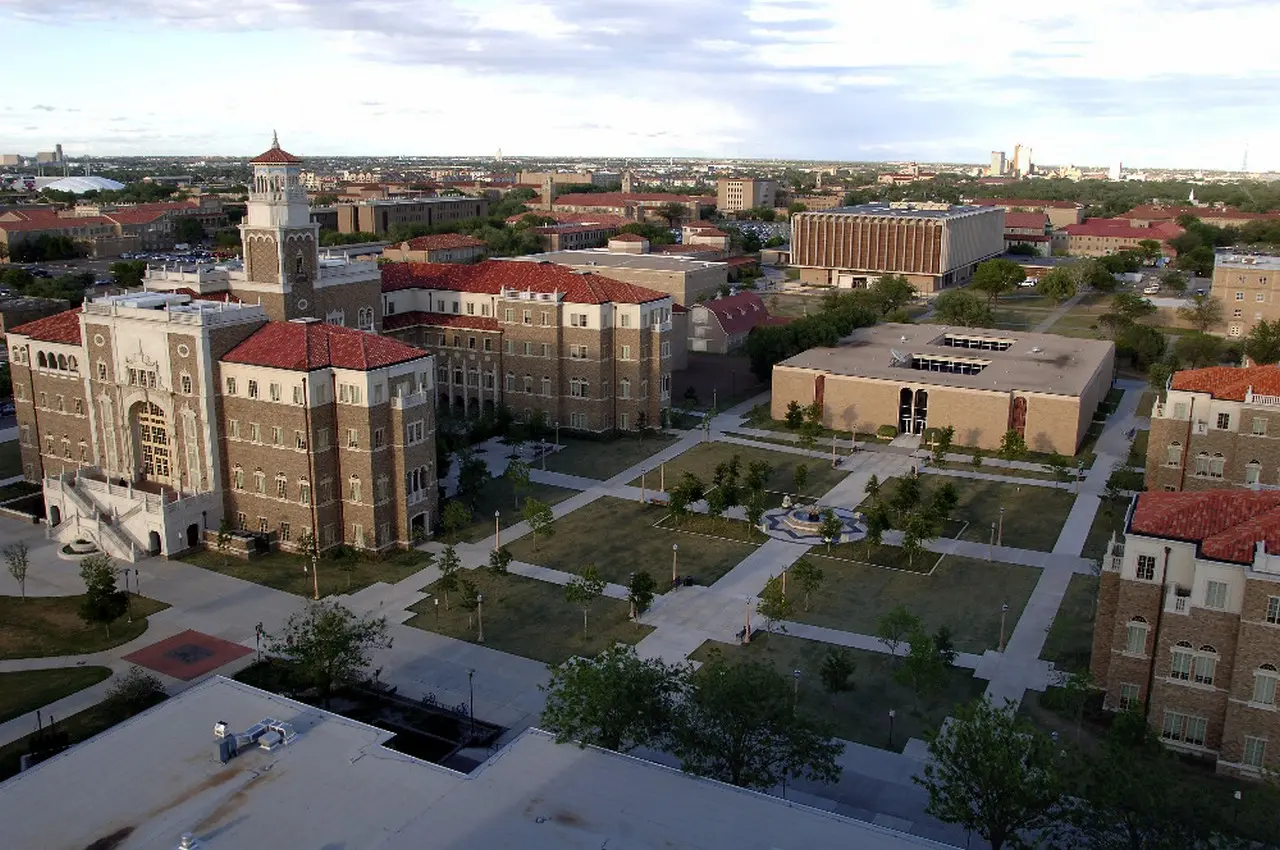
[1152,83]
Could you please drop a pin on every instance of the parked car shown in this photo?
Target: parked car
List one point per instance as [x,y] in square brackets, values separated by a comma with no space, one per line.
[1151,289]
[1031,281]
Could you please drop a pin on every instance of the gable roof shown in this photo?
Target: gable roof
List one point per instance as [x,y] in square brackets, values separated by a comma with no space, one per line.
[1229,382]
[1026,220]
[443,242]
[492,276]
[628,237]
[304,346]
[1227,524]
[620,199]
[737,313]
[1122,228]
[1025,203]
[61,327]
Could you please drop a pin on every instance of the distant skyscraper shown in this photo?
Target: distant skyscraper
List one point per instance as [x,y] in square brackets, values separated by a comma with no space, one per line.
[1114,172]
[1022,160]
[997,163]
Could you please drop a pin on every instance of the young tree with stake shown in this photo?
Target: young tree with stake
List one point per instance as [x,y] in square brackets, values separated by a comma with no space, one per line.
[583,590]
[17,560]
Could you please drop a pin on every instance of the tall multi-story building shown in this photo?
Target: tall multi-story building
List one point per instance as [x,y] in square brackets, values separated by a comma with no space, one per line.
[585,351]
[998,166]
[744,193]
[1188,624]
[151,416]
[1245,283]
[1216,427]
[380,216]
[933,245]
[1101,237]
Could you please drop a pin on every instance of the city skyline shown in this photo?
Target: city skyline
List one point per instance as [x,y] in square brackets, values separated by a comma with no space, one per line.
[786,79]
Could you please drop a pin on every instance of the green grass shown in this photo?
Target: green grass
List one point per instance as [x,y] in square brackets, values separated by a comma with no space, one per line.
[619,537]
[10,459]
[528,617]
[498,495]
[28,690]
[1138,450]
[890,557]
[1033,515]
[702,459]
[992,469]
[1146,402]
[761,417]
[44,626]
[1126,479]
[962,593]
[1108,519]
[284,570]
[1069,643]
[603,459]
[860,715]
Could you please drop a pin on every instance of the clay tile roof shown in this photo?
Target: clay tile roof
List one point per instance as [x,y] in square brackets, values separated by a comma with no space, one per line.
[492,276]
[1226,524]
[414,318]
[315,345]
[1024,203]
[621,199]
[738,313]
[274,154]
[1122,228]
[628,237]
[61,327]
[443,242]
[1025,220]
[1229,382]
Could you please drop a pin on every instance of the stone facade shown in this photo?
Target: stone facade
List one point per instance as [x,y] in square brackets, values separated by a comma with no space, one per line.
[1245,284]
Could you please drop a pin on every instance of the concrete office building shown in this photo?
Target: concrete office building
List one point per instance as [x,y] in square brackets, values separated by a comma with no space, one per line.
[734,195]
[983,382]
[934,246]
[1060,213]
[1245,282]
[380,216]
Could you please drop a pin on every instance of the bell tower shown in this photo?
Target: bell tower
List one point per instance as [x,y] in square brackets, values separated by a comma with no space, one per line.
[281,244]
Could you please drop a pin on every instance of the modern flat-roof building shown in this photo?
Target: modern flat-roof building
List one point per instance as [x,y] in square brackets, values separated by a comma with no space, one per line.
[685,278]
[380,216]
[334,783]
[983,382]
[743,193]
[933,245]
[1243,282]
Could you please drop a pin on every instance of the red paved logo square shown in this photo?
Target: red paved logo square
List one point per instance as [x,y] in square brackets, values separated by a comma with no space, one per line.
[188,655]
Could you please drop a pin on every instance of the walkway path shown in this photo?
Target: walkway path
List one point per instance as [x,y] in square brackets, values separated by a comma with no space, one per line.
[1058,312]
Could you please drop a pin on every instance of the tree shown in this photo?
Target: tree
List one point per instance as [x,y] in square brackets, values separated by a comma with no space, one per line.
[1057,284]
[135,691]
[1262,345]
[917,528]
[1173,279]
[891,292]
[468,598]
[923,668]
[993,773]
[640,592]
[757,477]
[943,503]
[224,538]
[1199,349]
[774,605]
[801,476]
[945,645]
[541,519]
[1114,324]
[1158,376]
[809,576]
[837,669]
[1149,250]
[450,565]
[616,700]
[102,602]
[1131,305]
[473,472]
[754,507]
[455,516]
[1142,344]
[16,559]
[188,229]
[877,521]
[795,415]
[1012,445]
[942,440]
[738,724]
[872,488]
[895,626]
[1092,274]
[1057,466]
[500,561]
[518,474]
[963,307]
[994,278]
[830,529]
[582,590]
[672,211]
[717,502]
[1204,312]
[329,645]
[128,273]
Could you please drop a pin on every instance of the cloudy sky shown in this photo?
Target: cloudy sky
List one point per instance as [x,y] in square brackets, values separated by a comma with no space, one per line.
[1148,82]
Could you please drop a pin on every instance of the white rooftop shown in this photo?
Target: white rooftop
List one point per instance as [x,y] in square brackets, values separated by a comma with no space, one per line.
[142,784]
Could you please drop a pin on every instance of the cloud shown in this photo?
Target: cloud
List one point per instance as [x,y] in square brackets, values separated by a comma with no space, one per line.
[40,107]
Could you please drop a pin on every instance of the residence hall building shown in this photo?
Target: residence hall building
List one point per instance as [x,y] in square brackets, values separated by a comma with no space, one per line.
[1028,228]
[632,206]
[736,194]
[1059,213]
[585,351]
[1245,283]
[685,277]
[437,248]
[151,416]
[1217,427]
[934,246]
[1188,623]
[1101,237]
[721,325]
[981,381]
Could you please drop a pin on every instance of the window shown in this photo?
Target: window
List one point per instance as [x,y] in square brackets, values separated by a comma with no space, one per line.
[273,391]
[1239,296]
[255,432]
[488,344]
[666,349]
[1180,410]
[262,525]
[77,405]
[1273,609]
[1264,685]
[1215,594]
[1136,637]
[357,536]
[102,371]
[624,421]
[326,491]
[455,306]
[277,435]
[322,440]
[304,491]
[508,315]
[260,482]
[546,350]
[282,487]
[471,308]
[624,388]
[237,478]
[413,433]
[528,383]
[526,317]
[1235,330]
[1173,455]
[1237,313]
[578,352]
[511,383]
[1146,567]
[1206,664]
[379,437]
[484,309]
[299,440]
[1224,421]
[353,438]
[353,489]
[1255,751]
[1260,297]
[457,340]
[1128,695]
[1184,728]
[1202,463]
[241,521]
[297,395]
[381,489]
[577,388]
[349,394]
[1259,427]
[1216,465]
[185,383]
[471,343]
[578,320]
[285,533]
[546,386]
[1252,472]
[1180,664]
[666,386]
[233,428]
[624,320]
[578,420]
[364,319]
[253,389]
[625,353]
[509,347]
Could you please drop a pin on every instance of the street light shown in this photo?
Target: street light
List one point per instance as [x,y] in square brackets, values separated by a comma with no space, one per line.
[1000,529]
[630,595]
[258,632]
[471,688]
[437,613]
[991,542]
[643,472]
[557,434]
[795,694]
[480,616]
[1004,609]
[675,549]
[892,714]
[497,530]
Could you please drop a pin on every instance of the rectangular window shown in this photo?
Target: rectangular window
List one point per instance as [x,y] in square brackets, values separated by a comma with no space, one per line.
[1259,427]
[297,395]
[455,306]
[357,536]
[262,525]
[377,393]
[349,394]
[379,437]
[666,349]
[471,343]
[231,386]
[1204,668]
[1215,594]
[626,353]
[624,320]
[355,490]
[1136,639]
[322,440]
[233,428]
[285,533]
[1224,421]
[1146,567]
[509,347]
[241,521]
[253,389]
[1128,695]
[484,309]
[260,483]
[274,390]
[304,492]
[578,320]
[1251,473]
[508,315]
[1264,688]
[1173,455]
[282,488]
[185,383]
[255,432]
[299,440]
[511,383]
[277,435]
[471,308]
[353,438]
[578,420]
[526,317]
[1239,296]
[546,350]
[488,344]
[1180,665]
[1273,609]
[1260,297]
[528,349]
[1255,751]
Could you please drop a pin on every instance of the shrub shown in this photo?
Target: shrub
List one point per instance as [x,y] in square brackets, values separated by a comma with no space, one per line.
[888,432]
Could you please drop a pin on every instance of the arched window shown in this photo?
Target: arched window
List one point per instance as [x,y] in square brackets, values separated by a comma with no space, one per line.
[40,360]
[62,362]
[1216,465]
[1173,454]
[1252,472]
[1202,463]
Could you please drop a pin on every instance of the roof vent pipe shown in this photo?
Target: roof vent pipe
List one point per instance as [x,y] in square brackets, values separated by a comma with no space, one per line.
[188,842]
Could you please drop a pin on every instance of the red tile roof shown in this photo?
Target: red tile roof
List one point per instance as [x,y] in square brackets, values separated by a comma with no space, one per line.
[628,237]
[315,345]
[566,217]
[1229,382]
[1121,228]
[1025,203]
[1162,212]
[413,318]
[61,327]
[274,156]
[1227,524]
[492,276]
[443,242]
[136,216]
[1025,220]
[621,199]
[738,313]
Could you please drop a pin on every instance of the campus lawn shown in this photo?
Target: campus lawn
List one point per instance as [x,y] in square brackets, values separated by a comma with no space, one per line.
[603,459]
[962,593]
[285,570]
[1108,519]
[702,459]
[43,626]
[619,536]
[1033,515]
[860,715]
[1127,479]
[761,417]
[1138,450]
[498,495]
[1146,402]
[892,557]
[10,459]
[1069,643]
[28,690]
[529,617]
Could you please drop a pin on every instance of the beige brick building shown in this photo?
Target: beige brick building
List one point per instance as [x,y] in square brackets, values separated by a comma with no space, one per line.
[1217,427]
[437,248]
[1101,237]
[1188,624]
[736,194]
[1059,213]
[380,216]
[983,382]
[686,278]
[933,245]
[1245,283]
[585,351]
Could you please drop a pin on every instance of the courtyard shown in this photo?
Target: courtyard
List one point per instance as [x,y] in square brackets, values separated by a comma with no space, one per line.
[702,460]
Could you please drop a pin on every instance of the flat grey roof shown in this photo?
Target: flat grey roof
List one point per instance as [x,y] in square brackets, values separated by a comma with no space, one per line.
[1246,260]
[336,786]
[589,257]
[1044,363]
[887,210]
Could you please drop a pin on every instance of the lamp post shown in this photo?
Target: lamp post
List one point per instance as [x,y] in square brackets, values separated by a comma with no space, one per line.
[631,597]
[795,693]
[675,549]
[833,452]
[746,631]
[258,631]
[991,542]
[1237,796]
[1000,529]
[662,476]
[437,601]
[1004,609]
[892,714]
[471,690]
[497,530]
[643,472]
[557,434]
[480,617]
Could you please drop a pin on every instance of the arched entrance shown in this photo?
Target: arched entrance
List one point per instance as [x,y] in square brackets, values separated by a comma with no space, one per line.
[904,410]
[152,435]
[55,515]
[913,411]
[1018,416]
[418,528]
[193,534]
[153,542]
[921,413]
